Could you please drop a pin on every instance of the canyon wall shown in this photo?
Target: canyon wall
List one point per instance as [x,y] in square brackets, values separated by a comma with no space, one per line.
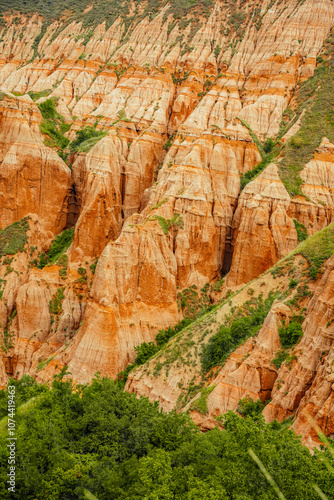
[157,203]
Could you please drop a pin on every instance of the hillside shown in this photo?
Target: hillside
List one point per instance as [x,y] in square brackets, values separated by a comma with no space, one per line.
[158,161]
[270,341]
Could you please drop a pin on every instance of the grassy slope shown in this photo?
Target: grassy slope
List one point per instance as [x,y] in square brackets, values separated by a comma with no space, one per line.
[293,277]
[316,97]
[108,10]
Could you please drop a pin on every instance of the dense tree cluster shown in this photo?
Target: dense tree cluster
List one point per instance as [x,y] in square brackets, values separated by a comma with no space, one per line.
[76,442]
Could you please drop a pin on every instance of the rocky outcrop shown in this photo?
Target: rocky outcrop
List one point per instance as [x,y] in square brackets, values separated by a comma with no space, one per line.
[174,376]
[157,199]
[33,179]
[300,387]
[262,227]
[249,371]
[133,296]
[306,390]
[97,178]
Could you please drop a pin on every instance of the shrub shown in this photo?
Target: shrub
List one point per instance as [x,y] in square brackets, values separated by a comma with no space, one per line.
[269,145]
[86,139]
[280,357]
[53,125]
[228,338]
[37,95]
[92,267]
[301,230]
[14,237]
[248,407]
[290,335]
[60,244]
[55,304]
[293,283]
[200,404]
[144,352]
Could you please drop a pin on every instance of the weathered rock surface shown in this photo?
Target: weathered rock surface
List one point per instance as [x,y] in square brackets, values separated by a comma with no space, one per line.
[133,296]
[307,389]
[157,199]
[262,227]
[33,179]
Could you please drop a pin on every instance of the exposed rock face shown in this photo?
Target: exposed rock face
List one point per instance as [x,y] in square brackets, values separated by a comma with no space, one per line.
[33,179]
[263,229]
[307,388]
[157,199]
[97,178]
[301,387]
[249,372]
[167,379]
[318,175]
[134,295]
[263,224]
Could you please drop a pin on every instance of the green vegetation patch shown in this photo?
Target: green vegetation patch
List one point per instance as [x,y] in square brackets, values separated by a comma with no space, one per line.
[60,244]
[248,407]
[56,252]
[98,438]
[37,95]
[301,230]
[283,356]
[194,302]
[317,249]
[200,404]
[86,139]
[43,364]
[173,224]
[228,338]
[54,125]
[55,304]
[289,335]
[316,97]
[14,237]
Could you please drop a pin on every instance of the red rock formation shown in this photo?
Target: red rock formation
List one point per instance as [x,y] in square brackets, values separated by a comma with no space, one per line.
[33,179]
[307,389]
[141,87]
[133,295]
[263,231]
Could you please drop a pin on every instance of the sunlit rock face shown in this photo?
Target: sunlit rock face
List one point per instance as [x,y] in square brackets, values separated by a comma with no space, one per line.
[157,200]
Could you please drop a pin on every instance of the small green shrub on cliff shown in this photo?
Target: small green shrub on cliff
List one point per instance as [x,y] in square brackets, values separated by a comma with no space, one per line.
[53,125]
[14,237]
[301,230]
[86,139]
[60,244]
[228,338]
[248,407]
[289,335]
[200,404]
[55,304]
[37,95]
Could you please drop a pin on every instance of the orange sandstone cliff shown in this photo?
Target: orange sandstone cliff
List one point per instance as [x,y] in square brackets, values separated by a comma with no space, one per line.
[150,154]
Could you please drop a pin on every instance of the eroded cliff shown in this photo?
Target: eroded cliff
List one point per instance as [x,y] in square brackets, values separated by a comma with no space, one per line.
[146,154]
